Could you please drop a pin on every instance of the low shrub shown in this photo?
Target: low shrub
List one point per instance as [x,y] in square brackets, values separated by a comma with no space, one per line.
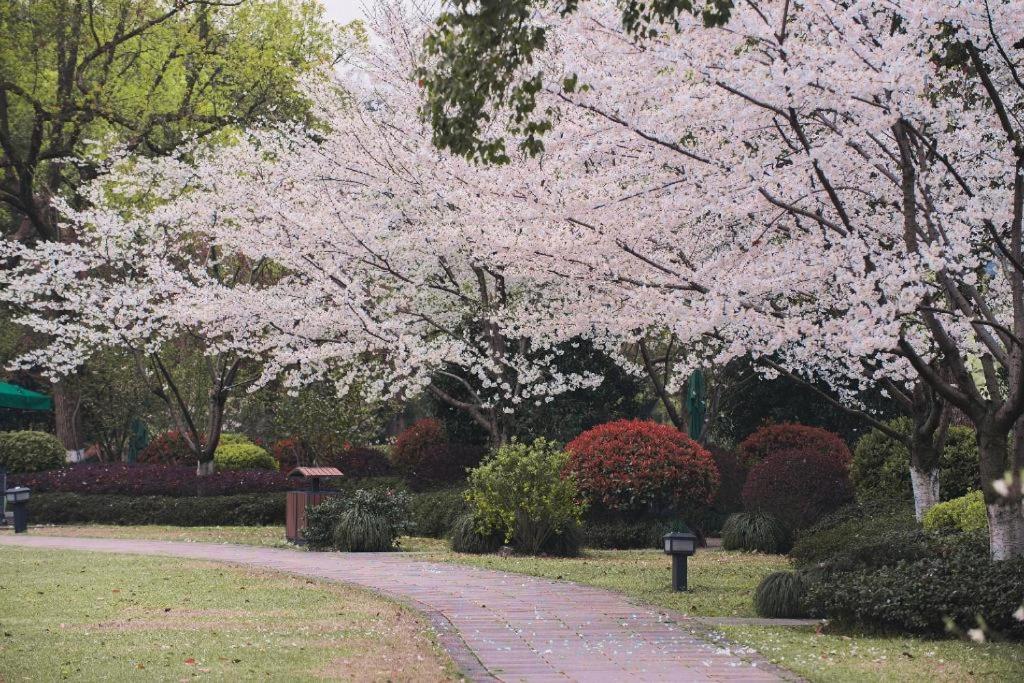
[731,477]
[966,513]
[862,534]
[359,462]
[466,537]
[881,465]
[519,492]
[777,438]
[366,521]
[243,456]
[29,451]
[414,445]
[638,465]
[152,480]
[622,534]
[927,596]
[71,508]
[434,512]
[755,532]
[780,595]
[169,448]
[357,531]
[232,439]
[565,542]
[797,487]
[320,520]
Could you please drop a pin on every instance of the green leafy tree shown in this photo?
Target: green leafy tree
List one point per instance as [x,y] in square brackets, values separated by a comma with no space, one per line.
[482,67]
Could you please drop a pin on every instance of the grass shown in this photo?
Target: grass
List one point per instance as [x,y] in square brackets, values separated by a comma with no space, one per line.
[267,536]
[92,616]
[840,658]
[722,585]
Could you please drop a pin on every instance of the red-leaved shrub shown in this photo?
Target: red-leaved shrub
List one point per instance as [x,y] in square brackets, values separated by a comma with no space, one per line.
[289,454]
[357,462]
[424,457]
[788,436]
[169,448]
[153,480]
[731,477]
[797,487]
[636,465]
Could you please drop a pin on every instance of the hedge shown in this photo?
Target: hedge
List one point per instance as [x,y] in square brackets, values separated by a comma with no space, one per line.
[29,451]
[243,510]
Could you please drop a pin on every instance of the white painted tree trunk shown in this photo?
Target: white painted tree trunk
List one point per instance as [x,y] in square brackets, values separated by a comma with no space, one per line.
[204,469]
[926,489]
[1006,530]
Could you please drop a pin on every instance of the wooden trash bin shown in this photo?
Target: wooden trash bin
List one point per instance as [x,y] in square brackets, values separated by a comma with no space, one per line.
[298,502]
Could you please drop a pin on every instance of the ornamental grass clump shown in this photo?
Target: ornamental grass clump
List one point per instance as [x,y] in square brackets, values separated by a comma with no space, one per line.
[522,494]
[755,531]
[366,521]
[466,537]
[780,595]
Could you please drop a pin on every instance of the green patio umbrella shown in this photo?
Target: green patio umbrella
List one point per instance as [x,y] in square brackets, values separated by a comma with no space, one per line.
[12,396]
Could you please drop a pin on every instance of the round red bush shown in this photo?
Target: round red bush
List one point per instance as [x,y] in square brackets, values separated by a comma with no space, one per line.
[637,465]
[169,448]
[411,449]
[789,436]
[797,487]
[357,462]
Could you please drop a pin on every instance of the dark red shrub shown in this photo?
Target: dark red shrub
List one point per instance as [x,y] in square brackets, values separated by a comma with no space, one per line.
[789,436]
[289,454]
[169,448]
[357,462]
[153,480]
[409,451]
[636,465]
[797,487]
[731,477]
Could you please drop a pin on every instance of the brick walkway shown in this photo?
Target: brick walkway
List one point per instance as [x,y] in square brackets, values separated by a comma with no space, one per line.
[496,625]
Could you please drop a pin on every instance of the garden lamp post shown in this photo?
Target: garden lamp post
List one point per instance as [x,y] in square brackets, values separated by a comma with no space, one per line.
[680,545]
[18,498]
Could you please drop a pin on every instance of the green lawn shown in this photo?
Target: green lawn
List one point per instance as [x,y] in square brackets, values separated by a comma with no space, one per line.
[722,584]
[93,616]
[269,536]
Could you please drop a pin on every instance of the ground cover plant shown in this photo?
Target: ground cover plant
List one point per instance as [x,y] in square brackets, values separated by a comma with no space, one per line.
[92,616]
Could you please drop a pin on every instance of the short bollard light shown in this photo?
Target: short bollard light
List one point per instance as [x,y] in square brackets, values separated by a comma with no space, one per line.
[17,498]
[680,545]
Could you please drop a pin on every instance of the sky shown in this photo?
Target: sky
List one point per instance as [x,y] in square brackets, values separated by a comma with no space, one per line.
[343,11]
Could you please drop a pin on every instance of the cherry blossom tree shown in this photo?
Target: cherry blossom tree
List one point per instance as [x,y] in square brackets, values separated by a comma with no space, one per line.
[837,181]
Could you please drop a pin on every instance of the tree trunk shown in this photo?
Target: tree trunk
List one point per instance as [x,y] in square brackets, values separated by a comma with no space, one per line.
[67,402]
[204,469]
[1005,517]
[1006,529]
[925,483]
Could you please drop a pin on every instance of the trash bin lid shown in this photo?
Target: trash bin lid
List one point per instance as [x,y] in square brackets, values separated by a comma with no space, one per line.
[315,472]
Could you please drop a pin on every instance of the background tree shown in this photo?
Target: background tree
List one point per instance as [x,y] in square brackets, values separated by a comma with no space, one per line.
[143,75]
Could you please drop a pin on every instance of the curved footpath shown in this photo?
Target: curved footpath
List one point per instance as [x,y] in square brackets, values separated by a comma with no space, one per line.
[498,626]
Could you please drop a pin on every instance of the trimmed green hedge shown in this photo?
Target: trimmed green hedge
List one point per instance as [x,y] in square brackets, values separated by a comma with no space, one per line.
[259,509]
[966,513]
[243,456]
